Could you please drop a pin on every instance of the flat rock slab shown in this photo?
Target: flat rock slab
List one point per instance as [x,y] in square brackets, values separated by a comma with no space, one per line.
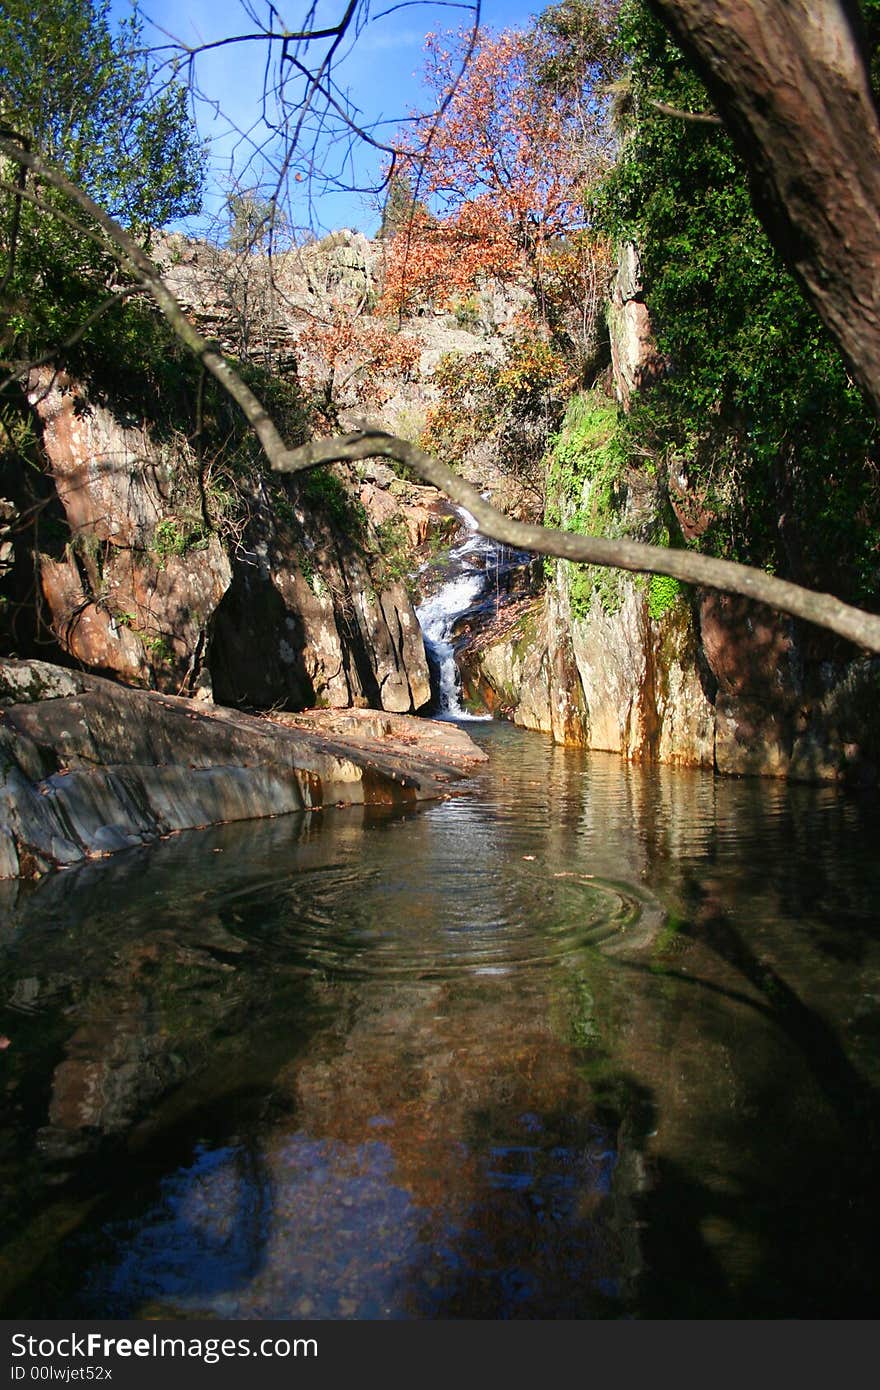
[422,745]
[88,767]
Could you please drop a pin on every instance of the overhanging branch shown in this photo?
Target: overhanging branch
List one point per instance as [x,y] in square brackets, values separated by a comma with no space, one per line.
[686,565]
[823,609]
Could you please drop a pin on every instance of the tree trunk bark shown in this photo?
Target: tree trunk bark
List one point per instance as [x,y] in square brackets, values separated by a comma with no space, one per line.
[790,79]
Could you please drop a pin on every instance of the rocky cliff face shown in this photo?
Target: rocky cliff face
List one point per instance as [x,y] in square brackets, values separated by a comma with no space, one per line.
[712,682]
[285,594]
[278,605]
[634,358]
[652,671]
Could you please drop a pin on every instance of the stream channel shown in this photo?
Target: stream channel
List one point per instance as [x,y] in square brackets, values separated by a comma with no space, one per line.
[587,1040]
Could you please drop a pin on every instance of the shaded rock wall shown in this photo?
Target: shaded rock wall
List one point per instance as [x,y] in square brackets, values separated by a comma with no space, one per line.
[131,581]
[108,588]
[305,623]
[527,673]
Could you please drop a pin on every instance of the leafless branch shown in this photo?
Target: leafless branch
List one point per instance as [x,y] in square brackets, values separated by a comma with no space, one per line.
[686,565]
[823,609]
[698,117]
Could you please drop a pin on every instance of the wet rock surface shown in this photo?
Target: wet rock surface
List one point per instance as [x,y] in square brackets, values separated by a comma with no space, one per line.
[717,683]
[88,767]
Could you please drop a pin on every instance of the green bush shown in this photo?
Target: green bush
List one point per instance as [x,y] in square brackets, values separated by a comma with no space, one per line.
[174,536]
[756,410]
[393,560]
[328,495]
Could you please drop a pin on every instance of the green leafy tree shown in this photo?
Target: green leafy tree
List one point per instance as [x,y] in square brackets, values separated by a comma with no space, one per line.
[86,98]
[83,95]
[767,443]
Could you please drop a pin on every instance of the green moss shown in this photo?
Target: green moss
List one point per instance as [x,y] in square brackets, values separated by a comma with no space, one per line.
[306,566]
[589,448]
[586,493]
[525,632]
[663,594]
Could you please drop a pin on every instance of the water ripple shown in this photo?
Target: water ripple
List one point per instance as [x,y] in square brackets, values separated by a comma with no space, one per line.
[351,925]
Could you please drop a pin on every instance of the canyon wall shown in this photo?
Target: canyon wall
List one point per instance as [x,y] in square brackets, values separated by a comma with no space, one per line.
[713,682]
[294,593]
[650,669]
[127,574]
[132,554]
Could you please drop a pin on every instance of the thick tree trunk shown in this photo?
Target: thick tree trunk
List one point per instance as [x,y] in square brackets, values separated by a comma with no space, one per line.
[790,79]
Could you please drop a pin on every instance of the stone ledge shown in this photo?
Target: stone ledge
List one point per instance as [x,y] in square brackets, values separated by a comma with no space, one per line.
[89,767]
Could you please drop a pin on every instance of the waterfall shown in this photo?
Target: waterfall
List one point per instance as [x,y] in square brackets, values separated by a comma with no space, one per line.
[437,617]
[470,579]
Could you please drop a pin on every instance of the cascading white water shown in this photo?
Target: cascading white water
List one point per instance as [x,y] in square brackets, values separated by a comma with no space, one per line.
[438,615]
[437,618]
[479,572]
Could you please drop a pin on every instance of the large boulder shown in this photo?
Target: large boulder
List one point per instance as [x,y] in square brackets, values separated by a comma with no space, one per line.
[89,767]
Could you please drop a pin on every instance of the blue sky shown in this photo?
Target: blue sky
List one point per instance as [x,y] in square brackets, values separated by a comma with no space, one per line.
[379,73]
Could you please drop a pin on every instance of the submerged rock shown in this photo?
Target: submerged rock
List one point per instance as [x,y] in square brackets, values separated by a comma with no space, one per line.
[88,767]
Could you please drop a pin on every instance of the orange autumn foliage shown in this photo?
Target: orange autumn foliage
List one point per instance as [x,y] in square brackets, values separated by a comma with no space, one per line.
[348,360]
[437,262]
[506,164]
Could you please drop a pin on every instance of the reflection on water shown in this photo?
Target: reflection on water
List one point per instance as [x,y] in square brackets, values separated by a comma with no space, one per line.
[589,1041]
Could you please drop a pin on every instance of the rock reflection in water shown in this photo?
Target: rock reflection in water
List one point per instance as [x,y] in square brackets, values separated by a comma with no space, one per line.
[395,1225]
[592,1041]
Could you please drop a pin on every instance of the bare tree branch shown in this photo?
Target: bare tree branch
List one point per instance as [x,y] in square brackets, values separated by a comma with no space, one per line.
[823,609]
[698,117]
[307,119]
[686,565]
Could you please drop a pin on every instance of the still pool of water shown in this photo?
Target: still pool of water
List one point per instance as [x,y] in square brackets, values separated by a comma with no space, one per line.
[588,1040]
